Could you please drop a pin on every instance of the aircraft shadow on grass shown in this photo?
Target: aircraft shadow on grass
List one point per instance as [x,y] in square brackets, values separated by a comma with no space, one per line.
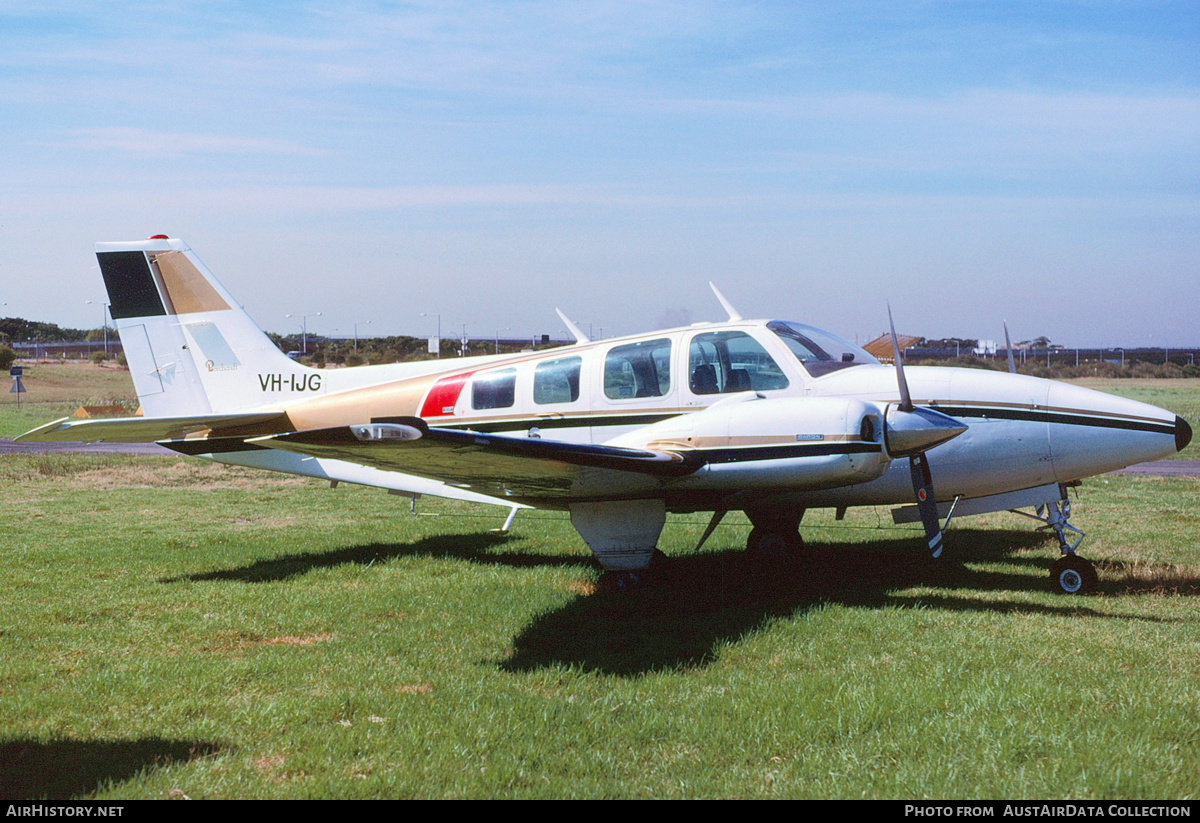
[61,769]
[473,547]
[700,602]
[706,601]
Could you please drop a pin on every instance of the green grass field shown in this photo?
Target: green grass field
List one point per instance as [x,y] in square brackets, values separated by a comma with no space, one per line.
[172,628]
[58,389]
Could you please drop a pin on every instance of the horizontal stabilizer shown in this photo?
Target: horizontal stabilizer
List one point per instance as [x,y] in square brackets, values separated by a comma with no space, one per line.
[147,429]
[502,465]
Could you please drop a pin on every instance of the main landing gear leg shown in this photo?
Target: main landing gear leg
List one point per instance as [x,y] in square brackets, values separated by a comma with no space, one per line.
[1070,574]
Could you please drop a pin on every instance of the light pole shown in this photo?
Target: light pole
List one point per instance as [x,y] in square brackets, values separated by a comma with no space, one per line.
[103,319]
[356,325]
[462,351]
[304,325]
[506,328]
[439,334]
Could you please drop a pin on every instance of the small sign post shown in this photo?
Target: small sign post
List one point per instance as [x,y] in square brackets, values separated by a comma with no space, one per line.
[18,388]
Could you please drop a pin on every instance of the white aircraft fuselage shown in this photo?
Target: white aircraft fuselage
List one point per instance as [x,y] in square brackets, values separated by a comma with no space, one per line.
[767,417]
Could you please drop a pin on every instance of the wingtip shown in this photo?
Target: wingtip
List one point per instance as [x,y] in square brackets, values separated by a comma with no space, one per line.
[39,434]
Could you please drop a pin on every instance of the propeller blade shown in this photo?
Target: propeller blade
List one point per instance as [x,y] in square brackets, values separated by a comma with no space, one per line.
[922,481]
[906,403]
[911,431]
[1012,367]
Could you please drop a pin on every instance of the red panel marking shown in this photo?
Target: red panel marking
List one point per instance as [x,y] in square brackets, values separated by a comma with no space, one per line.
[443,397]
[921,495]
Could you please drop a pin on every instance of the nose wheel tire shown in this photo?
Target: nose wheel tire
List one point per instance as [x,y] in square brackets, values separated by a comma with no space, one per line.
[1072,574]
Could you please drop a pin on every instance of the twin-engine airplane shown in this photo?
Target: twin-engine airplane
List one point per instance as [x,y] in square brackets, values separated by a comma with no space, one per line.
[769,417]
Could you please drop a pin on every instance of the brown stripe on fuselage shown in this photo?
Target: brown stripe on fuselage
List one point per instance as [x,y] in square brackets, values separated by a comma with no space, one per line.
[747,440]
[401,398]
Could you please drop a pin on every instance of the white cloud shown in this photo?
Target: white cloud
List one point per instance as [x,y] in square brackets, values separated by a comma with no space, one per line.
[177,144]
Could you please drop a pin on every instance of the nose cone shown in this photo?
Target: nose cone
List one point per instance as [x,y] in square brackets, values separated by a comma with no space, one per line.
[1093,432]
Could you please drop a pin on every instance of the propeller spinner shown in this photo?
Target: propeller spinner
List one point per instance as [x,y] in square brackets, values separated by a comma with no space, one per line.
[912,431]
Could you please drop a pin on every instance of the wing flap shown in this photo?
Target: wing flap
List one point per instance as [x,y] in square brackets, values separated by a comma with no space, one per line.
[146,429]
[510,467]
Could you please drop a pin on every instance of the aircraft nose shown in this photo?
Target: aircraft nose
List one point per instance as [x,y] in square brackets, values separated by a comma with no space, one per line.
[1096,432]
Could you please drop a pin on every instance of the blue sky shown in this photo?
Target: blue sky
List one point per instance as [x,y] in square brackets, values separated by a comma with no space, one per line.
[970,162]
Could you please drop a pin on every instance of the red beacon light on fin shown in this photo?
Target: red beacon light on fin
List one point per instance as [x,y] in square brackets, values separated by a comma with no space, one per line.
[158,237]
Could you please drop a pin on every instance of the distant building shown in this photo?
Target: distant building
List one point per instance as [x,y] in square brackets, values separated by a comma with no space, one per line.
[881,347]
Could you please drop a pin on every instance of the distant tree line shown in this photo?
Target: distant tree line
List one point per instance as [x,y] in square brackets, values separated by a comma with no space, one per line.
[1062,365]
[20,330]
[949,351]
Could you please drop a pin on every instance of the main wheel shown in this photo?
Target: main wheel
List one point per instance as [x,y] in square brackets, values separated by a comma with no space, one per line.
[1072,574]
[772,544]
[621,582]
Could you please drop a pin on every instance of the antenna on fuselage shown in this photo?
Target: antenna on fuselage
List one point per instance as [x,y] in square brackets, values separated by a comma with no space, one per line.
[729,309]
[579,336]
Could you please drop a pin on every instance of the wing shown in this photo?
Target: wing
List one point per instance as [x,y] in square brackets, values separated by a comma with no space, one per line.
[221,434]
[149,429]
[516,468]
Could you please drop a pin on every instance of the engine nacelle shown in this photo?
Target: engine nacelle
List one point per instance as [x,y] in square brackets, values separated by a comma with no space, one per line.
[748,442]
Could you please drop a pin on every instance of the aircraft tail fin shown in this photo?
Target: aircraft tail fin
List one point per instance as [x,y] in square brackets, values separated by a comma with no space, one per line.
[191,349]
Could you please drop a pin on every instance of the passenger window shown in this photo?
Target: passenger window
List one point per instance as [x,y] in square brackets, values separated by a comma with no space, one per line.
[638,370]
[557,381]
[494,390]
[731,361]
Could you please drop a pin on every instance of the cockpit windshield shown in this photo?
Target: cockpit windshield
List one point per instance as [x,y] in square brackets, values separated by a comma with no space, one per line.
[819,351]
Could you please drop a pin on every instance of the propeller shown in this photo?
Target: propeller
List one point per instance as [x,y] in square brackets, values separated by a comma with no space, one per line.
[912,431]
[1012,366]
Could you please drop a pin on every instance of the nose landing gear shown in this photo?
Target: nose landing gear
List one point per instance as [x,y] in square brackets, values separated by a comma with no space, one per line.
[1070,574]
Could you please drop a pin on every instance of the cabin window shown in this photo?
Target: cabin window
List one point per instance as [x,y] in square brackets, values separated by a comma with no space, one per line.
[494,390]
[557,381]
[638,370]
[731,361]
